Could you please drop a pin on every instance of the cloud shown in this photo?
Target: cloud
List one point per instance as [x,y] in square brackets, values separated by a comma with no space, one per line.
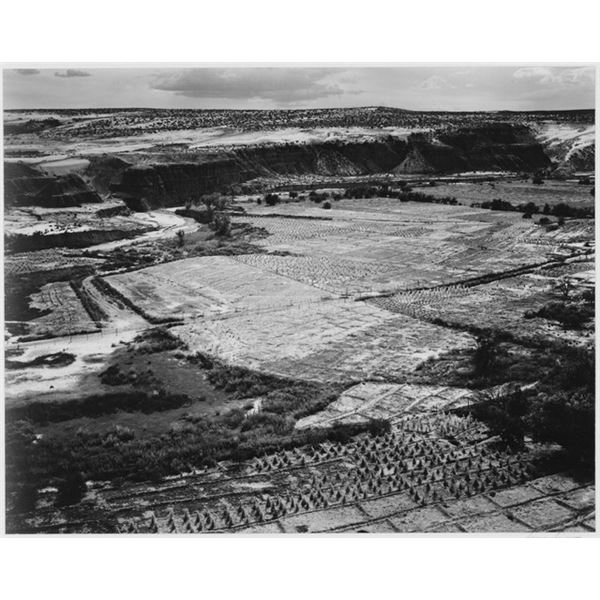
[435,82]
[579,76]
[541,74]
[27,71]
[72,73]
[278,84]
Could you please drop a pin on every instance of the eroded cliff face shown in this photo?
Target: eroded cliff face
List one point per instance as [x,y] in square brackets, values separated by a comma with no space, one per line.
[171,184]
[16,242]
[28,186]
[152,184]
[103,170]
[495,147]
[570,146]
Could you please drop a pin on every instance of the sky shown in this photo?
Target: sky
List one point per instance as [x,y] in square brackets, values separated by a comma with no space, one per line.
[457,87]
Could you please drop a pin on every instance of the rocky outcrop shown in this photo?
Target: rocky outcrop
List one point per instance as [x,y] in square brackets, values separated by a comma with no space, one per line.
[172,184]
[582,159]
[103,170]
[570,146]
[25,185]
[495,147]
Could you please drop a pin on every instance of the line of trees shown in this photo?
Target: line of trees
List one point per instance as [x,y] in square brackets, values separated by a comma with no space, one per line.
[560,210]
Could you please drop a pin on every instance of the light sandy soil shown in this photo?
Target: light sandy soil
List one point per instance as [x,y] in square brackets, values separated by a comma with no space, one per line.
[52,150]
[164,224]
[91,350]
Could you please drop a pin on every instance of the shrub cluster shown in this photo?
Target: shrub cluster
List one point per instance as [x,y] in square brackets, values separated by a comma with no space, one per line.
[571,315]
[560,210]
[559,409]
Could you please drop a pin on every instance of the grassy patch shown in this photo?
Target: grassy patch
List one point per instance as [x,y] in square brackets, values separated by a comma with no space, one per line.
[186,440]
[57,359]
[203,242]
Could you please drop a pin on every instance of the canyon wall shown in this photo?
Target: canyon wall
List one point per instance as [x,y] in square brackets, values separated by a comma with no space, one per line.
[493,147]
[25,185]
[149,181]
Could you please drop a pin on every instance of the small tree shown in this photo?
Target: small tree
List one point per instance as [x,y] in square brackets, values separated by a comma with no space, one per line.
[486,354]
[505,413]
[221,224]
[26,497]
[564,286]
[71,489]
[568,419]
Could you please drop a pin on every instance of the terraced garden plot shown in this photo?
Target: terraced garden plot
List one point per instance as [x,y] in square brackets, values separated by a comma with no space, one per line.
[421,211]
[410,480]
[67,315]
[326,341]
[370,401]
[389,350]
[208,286]
[332,273]
[292,331]
[499,305]
[359,252]
[575,231]
[45,260]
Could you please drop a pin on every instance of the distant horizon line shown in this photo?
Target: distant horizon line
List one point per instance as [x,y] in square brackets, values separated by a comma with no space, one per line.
[408,110]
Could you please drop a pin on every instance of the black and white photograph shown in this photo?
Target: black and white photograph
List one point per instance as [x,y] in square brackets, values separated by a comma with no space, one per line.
[257,299]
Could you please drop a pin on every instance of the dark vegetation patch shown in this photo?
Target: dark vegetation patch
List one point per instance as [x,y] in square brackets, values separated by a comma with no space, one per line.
[193,439]
[96,313]
[558,408]
[203,242]
[58,359]
[19,287]
[404,194]
[571,315]
[119,455]
[44,412]
[119,210]
[559,210]
[497,360]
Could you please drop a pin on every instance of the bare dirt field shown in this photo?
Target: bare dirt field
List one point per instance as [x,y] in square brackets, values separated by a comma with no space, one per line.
[364,299]
[209,286]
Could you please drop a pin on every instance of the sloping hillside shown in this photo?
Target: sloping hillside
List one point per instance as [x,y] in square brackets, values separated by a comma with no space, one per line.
[569,145]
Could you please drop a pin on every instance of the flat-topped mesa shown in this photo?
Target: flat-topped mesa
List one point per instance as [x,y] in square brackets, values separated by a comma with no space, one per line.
[490,147]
